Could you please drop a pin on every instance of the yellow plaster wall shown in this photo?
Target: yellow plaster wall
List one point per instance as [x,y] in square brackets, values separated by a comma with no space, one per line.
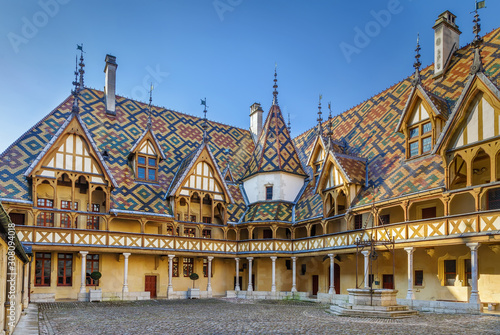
[129,226]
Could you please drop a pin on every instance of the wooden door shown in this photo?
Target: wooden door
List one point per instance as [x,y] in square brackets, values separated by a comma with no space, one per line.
[315,280]
[336,278]
[388,281]
[151,286]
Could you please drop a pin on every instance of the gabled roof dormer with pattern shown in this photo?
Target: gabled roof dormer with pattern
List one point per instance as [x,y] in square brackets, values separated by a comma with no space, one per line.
[91,159]
[187,166]
[478,83]
[275,151]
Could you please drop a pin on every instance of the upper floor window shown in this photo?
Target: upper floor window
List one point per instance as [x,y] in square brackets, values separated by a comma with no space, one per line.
[269,193]
[147,168]
[146,162]
[420,139]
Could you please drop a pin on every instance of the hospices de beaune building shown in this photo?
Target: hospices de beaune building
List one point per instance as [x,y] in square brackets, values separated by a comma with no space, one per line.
[400,192]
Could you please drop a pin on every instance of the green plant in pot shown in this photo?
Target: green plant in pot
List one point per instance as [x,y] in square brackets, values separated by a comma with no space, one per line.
[96,275]
[193,277]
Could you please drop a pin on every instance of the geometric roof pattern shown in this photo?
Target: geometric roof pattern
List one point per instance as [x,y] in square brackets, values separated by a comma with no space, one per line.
[369,129]
[269,211]
[275,150]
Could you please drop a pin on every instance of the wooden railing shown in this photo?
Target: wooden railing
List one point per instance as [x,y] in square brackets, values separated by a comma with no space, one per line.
[439,228]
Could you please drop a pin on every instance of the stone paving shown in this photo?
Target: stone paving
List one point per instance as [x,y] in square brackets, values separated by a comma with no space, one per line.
[236,316]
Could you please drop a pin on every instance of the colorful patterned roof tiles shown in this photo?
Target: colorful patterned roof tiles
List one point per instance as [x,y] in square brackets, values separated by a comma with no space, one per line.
[275,150]
[269,211]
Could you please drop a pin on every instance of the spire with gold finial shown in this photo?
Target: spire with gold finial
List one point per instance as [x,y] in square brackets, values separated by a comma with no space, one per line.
[416,65]
[75,91]
[320,119]
[82,65]
[330,121]
[477,64]
[150,123]
[275,86]
[205,122]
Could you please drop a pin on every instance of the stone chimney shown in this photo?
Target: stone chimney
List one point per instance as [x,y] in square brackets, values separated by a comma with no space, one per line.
[110,84]
[256,121]
[446,41]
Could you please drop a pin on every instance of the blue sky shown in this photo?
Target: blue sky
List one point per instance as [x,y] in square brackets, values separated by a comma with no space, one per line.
[224,50]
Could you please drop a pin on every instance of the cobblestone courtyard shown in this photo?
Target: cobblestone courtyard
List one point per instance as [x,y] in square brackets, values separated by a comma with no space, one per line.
[225,316]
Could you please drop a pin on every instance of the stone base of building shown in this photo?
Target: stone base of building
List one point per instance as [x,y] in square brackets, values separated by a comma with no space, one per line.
[444,307]
[42,297]
[267,295]
[114,296]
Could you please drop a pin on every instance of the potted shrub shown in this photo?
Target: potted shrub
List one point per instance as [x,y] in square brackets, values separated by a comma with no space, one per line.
[96,294]
[194,293]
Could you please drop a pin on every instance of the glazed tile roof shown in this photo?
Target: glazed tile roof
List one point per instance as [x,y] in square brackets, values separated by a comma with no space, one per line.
[369,129]
[353,167]
[269,211]
[275,150]
[178,135]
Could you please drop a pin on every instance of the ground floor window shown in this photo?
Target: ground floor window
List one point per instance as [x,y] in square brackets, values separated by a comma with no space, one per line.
[42,268]
[419,278]
[187,266]
[450,272]
[468,271]
[205,268]
[64,269]
[92,266]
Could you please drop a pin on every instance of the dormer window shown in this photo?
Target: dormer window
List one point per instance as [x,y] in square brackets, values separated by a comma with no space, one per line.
[146,162]
[420,138]
[147,168]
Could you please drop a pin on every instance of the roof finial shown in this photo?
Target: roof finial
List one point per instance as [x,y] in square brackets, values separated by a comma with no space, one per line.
[477,64]
[275,86]
[75,91]
[320,119]
[149,107]
[205,123]
[330,121]
[416,65]
[82,65]
[289,126]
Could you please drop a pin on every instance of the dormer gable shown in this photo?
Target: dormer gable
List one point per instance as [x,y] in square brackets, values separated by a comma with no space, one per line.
[72,149]
[317,157]
[422,120]
[199,172]
[341,170]
[475,118]
[145,156]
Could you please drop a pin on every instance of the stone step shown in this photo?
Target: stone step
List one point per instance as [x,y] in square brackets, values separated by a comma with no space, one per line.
[367,313]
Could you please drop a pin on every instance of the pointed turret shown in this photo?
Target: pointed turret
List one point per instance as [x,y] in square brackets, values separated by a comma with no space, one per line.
[274,158]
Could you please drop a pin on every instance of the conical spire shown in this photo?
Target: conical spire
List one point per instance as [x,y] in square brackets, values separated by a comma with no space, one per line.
[416,65]
[320,119]
[275,86]
[477,64]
